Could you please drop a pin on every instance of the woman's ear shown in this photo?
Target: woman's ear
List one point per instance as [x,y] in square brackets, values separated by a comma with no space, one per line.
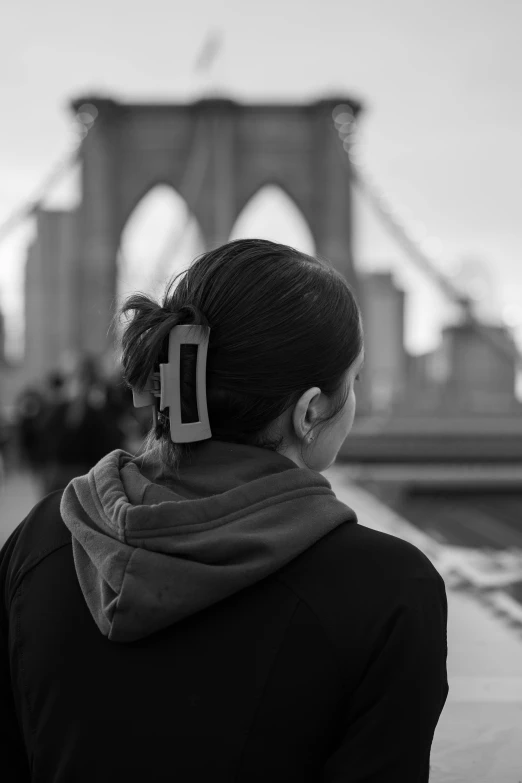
[306,412]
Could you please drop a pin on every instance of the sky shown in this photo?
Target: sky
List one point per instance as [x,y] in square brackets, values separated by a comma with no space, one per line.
[440,81]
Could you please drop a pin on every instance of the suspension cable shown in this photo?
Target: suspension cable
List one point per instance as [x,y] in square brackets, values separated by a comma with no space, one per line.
[191,185]
[85,118]
[346,125]
[190,188]
[196,167]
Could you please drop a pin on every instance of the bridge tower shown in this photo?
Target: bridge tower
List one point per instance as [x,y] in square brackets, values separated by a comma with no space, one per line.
[133,147]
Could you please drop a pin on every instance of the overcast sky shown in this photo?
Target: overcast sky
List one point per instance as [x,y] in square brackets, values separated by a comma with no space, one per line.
[441,81]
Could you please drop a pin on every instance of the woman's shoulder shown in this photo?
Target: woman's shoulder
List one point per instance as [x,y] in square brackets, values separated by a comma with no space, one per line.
[357,581]
[41,533]
[353,552]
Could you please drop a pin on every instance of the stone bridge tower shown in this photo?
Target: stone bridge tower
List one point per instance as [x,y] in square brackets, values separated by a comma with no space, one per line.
[133,147]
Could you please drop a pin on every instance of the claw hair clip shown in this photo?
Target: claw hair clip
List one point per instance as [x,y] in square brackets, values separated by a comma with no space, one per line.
[166,385]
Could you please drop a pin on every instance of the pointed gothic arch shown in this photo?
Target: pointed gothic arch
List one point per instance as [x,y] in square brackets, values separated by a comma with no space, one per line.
[271,213]
[160,237]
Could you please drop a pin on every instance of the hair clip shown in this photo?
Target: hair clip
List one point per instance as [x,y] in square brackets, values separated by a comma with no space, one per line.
[166,384]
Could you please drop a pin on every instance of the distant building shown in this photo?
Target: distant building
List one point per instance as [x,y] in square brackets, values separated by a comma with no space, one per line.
[49,294]
[3,368]
[479,378]
[423,385]
[386,358]
[464,376]
[2,340]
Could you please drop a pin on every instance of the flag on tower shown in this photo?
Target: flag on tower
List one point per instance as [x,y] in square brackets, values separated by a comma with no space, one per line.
[209,51]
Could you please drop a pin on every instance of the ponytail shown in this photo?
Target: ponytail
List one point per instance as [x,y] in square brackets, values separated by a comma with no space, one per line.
[145,346]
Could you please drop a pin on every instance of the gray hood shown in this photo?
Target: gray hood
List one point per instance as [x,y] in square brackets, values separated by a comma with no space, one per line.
[152,547]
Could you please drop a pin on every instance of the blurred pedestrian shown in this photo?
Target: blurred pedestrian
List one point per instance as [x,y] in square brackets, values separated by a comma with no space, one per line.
[80,427]
[5,437]
[30,407]
[133,422]
[209,610]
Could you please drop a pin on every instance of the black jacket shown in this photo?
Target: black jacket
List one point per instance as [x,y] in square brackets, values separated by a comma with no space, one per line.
[331,669]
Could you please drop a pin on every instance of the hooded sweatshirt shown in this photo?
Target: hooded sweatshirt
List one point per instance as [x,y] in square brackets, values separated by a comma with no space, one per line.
[231,622]
[151,548]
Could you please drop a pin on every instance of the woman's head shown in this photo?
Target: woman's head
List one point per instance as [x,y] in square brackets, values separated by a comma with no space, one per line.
[285,346]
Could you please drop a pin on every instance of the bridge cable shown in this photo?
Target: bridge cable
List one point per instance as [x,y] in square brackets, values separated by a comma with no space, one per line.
[31,206]
[197,163]
[346,126]
[190,188]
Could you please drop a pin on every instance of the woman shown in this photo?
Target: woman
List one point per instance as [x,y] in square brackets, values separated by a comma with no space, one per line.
[209,611]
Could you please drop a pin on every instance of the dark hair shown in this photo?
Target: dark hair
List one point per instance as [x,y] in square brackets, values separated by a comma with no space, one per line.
[280,322]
